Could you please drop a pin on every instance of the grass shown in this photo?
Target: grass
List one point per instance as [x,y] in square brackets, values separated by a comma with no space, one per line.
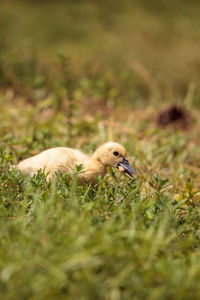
[119,239]
[122,238]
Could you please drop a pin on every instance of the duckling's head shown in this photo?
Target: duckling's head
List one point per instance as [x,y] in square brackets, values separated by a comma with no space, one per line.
[112,154]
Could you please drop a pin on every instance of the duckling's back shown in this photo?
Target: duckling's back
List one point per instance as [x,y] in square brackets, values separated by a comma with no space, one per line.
[63,159]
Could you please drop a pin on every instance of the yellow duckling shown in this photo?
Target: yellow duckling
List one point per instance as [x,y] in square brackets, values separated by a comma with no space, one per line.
[66,160]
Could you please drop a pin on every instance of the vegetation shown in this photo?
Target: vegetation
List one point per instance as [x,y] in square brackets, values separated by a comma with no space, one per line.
[108,75]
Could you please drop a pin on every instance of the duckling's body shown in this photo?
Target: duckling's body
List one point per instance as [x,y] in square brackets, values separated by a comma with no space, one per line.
[66,160]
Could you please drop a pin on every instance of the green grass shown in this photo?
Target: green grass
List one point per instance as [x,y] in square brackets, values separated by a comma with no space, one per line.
[120,239]
[105,242]
[68,78]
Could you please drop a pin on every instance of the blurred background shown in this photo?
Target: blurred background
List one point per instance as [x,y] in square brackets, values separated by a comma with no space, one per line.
[132,50]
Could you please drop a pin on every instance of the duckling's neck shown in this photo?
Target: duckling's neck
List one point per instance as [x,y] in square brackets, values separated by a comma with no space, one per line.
[96,165]
[93,169]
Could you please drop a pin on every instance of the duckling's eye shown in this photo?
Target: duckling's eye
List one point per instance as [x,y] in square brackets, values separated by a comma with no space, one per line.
[115,153]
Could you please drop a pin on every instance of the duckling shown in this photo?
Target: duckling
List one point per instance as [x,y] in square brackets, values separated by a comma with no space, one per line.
[66,160]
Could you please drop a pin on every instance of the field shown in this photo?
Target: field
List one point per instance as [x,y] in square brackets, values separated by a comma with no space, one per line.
[78,74]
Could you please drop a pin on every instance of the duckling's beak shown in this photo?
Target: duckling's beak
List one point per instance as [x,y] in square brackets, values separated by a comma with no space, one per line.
[128,169]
